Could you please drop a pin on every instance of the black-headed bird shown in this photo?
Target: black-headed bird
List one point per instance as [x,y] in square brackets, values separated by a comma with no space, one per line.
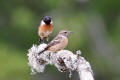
[45,29]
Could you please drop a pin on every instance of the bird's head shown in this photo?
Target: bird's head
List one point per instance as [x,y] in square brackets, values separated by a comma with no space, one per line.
[47,20]
[65,33]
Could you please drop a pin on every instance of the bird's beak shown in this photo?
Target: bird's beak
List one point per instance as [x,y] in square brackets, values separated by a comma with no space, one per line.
[70,32]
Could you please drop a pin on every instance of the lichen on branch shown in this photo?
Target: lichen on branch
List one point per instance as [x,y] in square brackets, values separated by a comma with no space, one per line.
[64,60]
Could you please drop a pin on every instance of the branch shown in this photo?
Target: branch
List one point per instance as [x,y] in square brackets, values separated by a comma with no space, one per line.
[64,60]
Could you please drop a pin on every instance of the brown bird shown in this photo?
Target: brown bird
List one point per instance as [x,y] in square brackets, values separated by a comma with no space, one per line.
[45,29]
[59,42]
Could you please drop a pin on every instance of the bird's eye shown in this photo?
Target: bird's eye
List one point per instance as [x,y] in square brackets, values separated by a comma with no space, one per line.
[65,32]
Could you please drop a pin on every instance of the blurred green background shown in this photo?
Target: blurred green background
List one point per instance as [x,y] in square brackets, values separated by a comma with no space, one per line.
[96,32]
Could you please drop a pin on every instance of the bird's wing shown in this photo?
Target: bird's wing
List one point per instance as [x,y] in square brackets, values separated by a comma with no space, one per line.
[55,41]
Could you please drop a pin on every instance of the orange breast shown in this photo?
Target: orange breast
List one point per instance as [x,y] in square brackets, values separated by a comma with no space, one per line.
[43,29]
[46,27]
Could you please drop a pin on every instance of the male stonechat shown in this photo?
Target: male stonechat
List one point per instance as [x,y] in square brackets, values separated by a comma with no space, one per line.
[45,29]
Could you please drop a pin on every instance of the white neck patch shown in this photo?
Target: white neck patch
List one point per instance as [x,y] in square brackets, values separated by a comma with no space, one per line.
[51,22]
[42,22]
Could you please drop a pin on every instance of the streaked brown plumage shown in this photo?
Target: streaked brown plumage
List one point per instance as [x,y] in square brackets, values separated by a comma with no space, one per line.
[59,42]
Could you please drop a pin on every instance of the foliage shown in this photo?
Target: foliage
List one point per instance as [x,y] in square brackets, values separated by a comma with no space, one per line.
[19,21]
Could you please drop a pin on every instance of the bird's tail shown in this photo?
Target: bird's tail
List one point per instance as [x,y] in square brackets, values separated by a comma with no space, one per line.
[40,41]
[43,50]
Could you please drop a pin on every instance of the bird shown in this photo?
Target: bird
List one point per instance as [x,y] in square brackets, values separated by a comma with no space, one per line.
[45,28]
[58,43]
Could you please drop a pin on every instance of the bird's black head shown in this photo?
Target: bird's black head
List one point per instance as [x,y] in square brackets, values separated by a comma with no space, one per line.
[47,19]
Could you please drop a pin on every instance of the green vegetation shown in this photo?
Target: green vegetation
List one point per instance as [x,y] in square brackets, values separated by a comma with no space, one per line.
[95,25]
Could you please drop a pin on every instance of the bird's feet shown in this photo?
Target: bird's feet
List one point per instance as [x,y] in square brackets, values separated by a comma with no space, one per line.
[40,41]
